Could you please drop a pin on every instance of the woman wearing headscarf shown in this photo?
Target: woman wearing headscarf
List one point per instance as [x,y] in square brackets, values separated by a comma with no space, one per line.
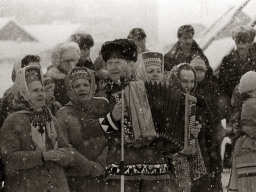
[79,122]
[150,67]
[32,147]
[207,166]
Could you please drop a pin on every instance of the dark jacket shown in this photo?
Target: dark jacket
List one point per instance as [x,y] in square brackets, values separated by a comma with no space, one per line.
[60,92]
[231,70]
[146,163]
[175,56]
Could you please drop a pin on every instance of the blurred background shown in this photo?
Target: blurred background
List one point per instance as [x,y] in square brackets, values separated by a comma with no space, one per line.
[36,26]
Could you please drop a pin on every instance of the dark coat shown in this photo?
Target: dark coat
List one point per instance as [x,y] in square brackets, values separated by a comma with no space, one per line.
[175,56]
[149,157]
[60,92]
[24,169]
[231,70]
[80,128]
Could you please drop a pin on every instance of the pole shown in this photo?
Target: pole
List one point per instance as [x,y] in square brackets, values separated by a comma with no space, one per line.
[122,142]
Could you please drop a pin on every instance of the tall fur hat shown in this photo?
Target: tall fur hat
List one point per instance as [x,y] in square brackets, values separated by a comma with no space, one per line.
[119,48]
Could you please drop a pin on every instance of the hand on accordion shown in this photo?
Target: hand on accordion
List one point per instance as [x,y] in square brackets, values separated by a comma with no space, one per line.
[195,130]
[117,111]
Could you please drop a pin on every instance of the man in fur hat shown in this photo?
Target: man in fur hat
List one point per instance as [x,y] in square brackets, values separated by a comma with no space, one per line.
[145,168]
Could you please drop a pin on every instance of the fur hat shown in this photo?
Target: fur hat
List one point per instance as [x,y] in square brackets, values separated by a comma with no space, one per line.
[137,33]
[84,40]
[198,63]
[119,48]
[243,34]
[247,82]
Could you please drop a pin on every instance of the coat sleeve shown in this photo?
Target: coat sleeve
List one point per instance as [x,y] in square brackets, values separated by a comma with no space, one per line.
[13,157]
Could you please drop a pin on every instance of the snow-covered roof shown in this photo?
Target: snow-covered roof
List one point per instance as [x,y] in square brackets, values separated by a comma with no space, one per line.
[4,21]
[52,34]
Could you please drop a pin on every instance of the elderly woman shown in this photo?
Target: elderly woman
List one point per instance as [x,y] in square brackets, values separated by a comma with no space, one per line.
[32,148]
[149,66]
[64,58]
[79,122]
[206,166]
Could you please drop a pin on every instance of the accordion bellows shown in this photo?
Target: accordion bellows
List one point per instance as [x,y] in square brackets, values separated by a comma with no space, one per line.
[157,113]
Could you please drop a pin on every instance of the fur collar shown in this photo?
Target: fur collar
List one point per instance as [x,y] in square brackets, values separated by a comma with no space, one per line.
[55,73]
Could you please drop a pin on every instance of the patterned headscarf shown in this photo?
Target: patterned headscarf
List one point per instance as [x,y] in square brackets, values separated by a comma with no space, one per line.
[77,73]
[174,79]
[41,122]
[140,65]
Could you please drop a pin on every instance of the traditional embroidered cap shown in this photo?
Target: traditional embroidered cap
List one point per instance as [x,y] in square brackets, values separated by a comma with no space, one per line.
[152,58]
[137,33]
[247,82]
[32,74]
[79,72]
[119,48]
[198,63]
[243,34]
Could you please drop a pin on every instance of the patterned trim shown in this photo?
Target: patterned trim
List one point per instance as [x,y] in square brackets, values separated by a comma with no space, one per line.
[101,98]
[137,169]
[107,124]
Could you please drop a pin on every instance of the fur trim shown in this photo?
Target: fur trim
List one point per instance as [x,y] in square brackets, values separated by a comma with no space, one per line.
[55,73]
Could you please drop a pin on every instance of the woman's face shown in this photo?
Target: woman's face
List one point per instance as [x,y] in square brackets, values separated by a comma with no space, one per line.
[200,74]
[118,67]
[36,92]
[81,88]
[49,92]
[154,73]
[187,79]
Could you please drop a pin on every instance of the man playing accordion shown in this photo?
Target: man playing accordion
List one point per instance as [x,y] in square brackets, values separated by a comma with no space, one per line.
[145,167]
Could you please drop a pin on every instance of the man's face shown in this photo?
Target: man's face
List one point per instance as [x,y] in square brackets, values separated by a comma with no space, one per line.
[243,48]
[187,79]
[69,60]
[186,40]
[36,94]
[118,67]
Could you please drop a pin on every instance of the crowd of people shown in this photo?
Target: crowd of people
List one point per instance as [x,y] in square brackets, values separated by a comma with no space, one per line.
[63,130]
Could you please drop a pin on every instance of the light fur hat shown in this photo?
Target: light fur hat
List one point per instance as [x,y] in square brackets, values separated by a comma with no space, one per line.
[247,82]
[198,63]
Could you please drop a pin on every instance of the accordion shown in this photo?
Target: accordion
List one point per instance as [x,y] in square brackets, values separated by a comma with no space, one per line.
[158,112]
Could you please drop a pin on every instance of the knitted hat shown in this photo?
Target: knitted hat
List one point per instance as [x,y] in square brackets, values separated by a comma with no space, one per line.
[247,82]
[119,48]
[79,72]
[198,63]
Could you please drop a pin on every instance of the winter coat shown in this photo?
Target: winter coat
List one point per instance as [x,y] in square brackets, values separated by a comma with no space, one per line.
[60,92]
[78,127]
[175,56]
[231,70]
[25,169]
[146,163]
